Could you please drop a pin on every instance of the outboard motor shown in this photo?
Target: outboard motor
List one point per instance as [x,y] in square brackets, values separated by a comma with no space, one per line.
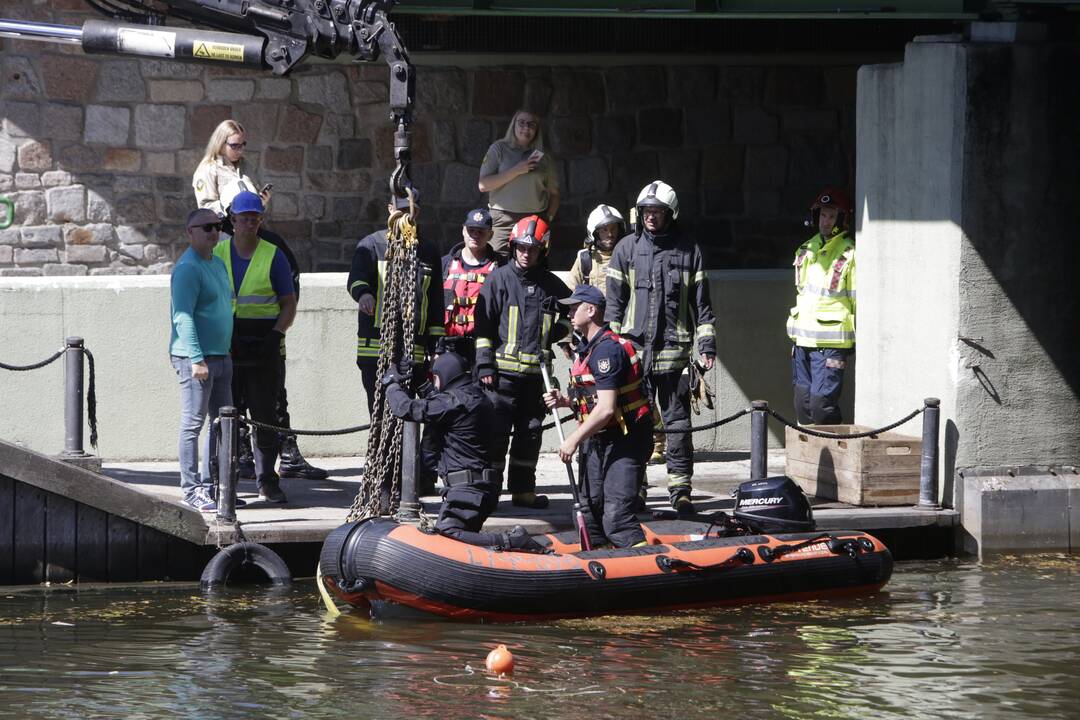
[773,505]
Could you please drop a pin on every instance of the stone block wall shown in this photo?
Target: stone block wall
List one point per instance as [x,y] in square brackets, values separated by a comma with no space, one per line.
[97,151]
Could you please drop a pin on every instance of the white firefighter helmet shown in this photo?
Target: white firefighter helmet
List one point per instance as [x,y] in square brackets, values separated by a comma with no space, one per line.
[658,193]
[603,215]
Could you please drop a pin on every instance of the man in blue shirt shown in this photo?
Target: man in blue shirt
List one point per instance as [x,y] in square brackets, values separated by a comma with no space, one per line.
[265,307]
[202,325]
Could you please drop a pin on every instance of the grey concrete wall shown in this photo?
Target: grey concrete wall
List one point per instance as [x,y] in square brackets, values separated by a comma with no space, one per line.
[97,151]
[125,323]
[968,173]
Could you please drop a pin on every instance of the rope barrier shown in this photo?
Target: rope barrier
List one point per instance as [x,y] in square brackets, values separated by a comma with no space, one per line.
[292,431]
[23,368]
[842,436]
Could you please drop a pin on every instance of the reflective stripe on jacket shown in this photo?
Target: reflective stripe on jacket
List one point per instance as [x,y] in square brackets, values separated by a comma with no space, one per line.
[256,299]
[824,312]
[461,291]
[631,403]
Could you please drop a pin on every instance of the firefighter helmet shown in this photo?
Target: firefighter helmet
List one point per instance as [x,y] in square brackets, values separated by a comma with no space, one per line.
[531,231]
[658,193]
[834,198]
[603,215]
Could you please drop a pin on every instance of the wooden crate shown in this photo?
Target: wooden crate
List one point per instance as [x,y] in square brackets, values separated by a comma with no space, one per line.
[880,470]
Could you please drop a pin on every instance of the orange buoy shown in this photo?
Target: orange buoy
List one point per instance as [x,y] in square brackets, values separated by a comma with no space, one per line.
[500,661]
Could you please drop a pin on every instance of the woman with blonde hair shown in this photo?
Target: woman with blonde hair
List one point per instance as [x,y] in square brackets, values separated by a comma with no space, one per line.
[519,178]
[220,174]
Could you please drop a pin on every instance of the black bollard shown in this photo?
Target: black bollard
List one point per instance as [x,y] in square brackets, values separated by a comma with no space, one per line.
[228,466]
[409,508]
[759,440]
[928,471]
[73,399]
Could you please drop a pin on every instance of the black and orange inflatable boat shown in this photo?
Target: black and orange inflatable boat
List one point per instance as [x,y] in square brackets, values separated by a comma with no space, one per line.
[685,565]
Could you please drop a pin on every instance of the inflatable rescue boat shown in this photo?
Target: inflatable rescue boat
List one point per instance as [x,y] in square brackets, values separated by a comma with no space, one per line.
[709,561]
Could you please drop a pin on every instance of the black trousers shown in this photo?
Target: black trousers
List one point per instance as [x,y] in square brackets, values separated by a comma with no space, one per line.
[520,411]
[673,395]
[610,466]
[467,505]
[256,381]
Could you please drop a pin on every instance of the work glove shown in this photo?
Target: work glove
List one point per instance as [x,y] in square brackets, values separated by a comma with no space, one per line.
[271,344]
[701,392]
[392,376]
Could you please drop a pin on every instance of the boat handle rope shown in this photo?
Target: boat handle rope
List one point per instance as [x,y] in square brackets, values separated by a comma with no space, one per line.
[668,564]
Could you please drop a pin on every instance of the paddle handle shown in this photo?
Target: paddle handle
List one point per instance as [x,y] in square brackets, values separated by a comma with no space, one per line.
[579,516]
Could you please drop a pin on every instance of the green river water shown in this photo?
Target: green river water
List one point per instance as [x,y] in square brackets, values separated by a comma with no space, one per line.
[946,639]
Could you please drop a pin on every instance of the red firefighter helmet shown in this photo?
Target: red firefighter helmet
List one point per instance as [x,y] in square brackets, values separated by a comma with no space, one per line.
[531,231]
[835,198]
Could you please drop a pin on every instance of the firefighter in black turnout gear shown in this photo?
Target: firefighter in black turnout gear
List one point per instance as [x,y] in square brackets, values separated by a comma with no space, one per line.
[658,298]
[462,414]
[513,336]
[614,433]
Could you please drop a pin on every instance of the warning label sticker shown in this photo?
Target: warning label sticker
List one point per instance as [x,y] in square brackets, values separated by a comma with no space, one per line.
[218,51]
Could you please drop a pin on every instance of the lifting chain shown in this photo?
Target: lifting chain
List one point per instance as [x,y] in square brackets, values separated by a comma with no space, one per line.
[382,461]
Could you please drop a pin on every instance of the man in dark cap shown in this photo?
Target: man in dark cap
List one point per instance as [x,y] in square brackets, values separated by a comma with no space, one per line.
[463,415]
[614,432]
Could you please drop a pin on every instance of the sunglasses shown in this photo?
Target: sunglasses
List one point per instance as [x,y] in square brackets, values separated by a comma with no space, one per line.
[209,227]
[237,146]
[475,232]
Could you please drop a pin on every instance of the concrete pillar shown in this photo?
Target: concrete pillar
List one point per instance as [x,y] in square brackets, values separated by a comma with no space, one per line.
[968,176]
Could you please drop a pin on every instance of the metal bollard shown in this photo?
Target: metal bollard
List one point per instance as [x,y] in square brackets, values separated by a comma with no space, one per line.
[928,471]
[228,445]
[73,399]
[759,440]
[409,508]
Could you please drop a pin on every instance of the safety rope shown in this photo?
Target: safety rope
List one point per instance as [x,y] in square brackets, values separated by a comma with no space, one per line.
[843,436]
[294,431]
[397,331]
[23,368]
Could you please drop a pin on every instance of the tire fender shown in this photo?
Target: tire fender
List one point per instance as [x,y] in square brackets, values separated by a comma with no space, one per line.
[232,559]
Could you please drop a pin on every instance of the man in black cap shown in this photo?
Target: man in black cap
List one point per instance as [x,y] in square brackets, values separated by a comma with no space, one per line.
[367,285]
[465,268]
[614,432]
[462,413]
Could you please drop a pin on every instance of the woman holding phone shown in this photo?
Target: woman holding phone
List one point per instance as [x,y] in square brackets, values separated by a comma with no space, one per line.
[519,178]
[220,174]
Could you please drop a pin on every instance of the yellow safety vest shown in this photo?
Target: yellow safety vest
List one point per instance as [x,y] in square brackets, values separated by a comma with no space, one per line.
[824,313]
[256,299]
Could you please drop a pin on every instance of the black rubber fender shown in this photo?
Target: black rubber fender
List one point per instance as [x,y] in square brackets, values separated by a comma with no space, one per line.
[230,560]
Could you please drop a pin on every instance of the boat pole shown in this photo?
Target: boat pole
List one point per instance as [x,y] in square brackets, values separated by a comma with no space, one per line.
[73,399]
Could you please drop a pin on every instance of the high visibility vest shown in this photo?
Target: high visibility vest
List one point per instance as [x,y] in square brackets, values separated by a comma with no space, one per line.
[256,299]
[630,400]
[461,288]
[824,313]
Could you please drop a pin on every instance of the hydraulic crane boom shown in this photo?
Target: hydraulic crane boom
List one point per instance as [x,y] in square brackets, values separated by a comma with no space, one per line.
[260,33]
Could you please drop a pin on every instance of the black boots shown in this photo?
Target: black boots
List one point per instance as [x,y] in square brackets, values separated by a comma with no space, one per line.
[294,465]
[517,538]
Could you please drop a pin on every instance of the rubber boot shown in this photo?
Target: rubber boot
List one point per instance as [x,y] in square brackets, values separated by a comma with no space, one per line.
[659,441]
[529,500]
[682,504]
[294,465]
[518,539]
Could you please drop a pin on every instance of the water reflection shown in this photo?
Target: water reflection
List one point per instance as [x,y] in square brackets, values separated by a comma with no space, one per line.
[948,639]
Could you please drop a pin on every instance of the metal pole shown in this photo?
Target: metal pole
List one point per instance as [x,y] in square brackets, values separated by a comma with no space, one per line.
[928,472]
[759,440]
[228,444]
[73,399]
[409,508]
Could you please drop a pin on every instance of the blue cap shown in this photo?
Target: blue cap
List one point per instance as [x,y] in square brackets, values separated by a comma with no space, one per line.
[246,202]
[586,294]
[478,218]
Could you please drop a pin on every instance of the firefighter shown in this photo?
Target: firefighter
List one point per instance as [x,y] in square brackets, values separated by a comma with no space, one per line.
[658,298]
[464,269]
[463,415]
[513,337]
[367,284]
[614,432]
[822,323]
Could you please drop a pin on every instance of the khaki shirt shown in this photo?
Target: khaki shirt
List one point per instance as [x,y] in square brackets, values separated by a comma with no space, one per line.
[527,193]
[598,273]
[216,183]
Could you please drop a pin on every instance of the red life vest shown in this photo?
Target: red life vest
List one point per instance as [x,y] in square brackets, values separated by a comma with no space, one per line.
[461,288]
[631,404]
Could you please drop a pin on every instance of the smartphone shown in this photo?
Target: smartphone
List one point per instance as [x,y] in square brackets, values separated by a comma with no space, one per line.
[266,187]
[536,155]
